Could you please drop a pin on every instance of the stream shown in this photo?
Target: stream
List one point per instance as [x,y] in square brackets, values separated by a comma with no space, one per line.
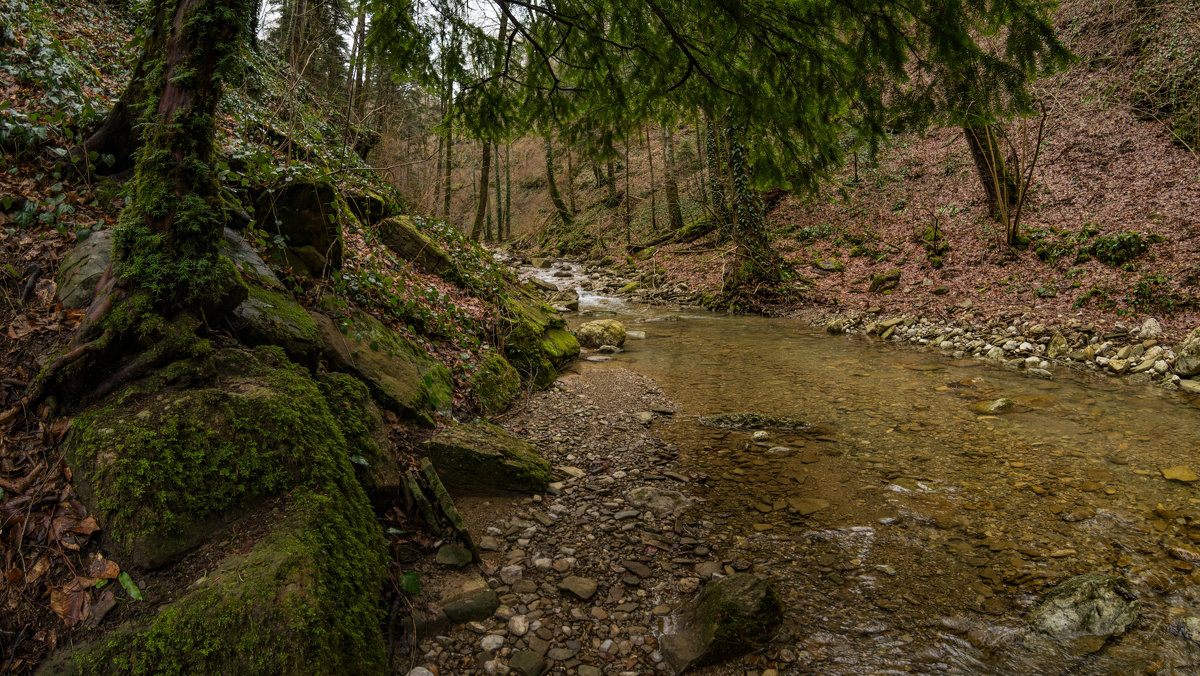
[912,527]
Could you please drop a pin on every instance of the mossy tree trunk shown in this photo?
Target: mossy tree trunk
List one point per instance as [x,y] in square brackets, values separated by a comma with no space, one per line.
[716,177]
[507,191]
[171,227]
[999,182]
[499,202]
[754,262]
[485,169]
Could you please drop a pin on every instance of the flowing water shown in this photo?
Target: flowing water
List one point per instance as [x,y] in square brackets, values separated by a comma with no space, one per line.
[910,530]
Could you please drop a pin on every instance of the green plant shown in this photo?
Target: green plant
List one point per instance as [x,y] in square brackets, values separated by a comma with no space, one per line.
[1153,293]
[1115,249]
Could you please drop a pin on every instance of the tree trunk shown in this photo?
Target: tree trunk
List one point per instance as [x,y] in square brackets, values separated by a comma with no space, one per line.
[998,181]
[628,213]
[499,204]
[449,167]
[437,179]
[171,227]
[754,262]
[116,136]
[716,176]
[701,155]
[571,182]
[481,206]
[354,81]
[653,197]
[485,162]
[552,185]
[611,168]
[669,179]
[507,191]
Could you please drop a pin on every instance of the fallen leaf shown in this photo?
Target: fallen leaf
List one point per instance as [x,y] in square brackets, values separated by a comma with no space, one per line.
[39,569]
[104,569]
[70,606]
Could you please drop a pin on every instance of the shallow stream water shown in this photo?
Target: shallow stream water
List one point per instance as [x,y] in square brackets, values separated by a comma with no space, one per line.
[910,530]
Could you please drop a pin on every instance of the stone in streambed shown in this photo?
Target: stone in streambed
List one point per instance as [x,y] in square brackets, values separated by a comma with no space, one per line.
[583,588]
[1086,606]
[1180,473]
[730,617]
[601,332]
[453,555]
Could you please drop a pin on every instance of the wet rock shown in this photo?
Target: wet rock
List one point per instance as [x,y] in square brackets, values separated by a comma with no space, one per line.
[543,284]
[1187,355]
[1180,473]
[601,332]
[994,407]
[483,457]
[541,262]
[836,325]
[527,663]
[1086,606]
[658,500]
[730,617]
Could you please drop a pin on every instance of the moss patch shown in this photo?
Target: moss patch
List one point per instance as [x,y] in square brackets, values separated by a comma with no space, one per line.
[164,467]
[271,317]
[495,385]
[366,438]
[535,342]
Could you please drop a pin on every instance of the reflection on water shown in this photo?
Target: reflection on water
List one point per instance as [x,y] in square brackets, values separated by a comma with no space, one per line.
[912,530]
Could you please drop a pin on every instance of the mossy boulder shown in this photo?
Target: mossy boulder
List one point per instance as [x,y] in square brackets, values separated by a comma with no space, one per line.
[730,617]
[495,385]
[601,332]
[361,424]
[401,235]
[169,460]
[535,340]
[400,374]
[273,317]
[481,457]
[246,259]
[304,600]
[885,281]
[307,216]
[370,206]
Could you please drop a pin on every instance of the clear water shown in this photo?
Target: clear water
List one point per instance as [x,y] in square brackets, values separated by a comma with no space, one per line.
[936,526]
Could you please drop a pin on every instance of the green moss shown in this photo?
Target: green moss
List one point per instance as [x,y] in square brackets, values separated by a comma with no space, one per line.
[535,342]
[403,377]
[301,602]
[495,385]
[162,468]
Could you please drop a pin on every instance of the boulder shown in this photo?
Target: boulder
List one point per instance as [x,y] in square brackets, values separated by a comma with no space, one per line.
[1091,605]
[1150,329]
[400,374]
[165,468]
[369,206]
[367,442]
[306,215]
[273,317]
[541,263]
[744,421]
[495,385]
[401,235]
[246,259]
[483,458]
[1187,355]
[81,270]
[730,617]
[534,339]
[661,501]
[993,407]
[601,332]
[539,283]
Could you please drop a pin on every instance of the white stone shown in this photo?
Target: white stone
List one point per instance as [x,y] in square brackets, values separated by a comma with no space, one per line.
[491,642]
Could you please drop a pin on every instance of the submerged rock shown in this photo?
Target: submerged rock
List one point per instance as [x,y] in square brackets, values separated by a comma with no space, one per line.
[1090,605]
[741,421]
[994,406]
[601,332]
[730,617]
[482,457]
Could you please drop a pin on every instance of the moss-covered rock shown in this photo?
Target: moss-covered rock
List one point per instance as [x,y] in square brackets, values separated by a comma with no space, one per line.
[273,317]
[535,341]
[169,460]
[304,600]
[402,236]
[368,205]
[731,616]
[366,437]
[601,332]
[82,268]
[495,385]
[400,374]
[306,214]
[484,458]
